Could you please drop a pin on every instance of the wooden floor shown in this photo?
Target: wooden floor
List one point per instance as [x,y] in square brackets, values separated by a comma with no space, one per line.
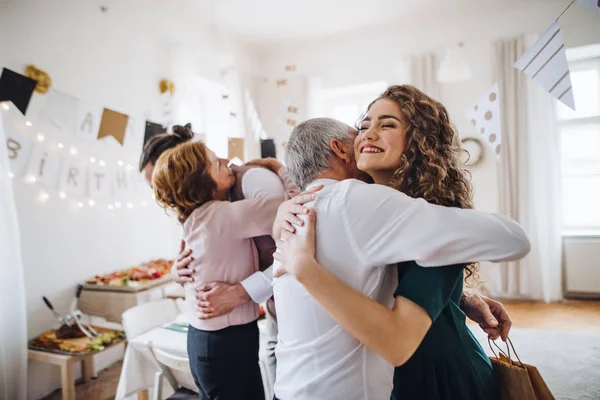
[573,316]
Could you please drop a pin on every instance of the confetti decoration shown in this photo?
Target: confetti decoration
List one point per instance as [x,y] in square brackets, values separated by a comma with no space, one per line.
[291,122]
[281,82]
[546,63]
[293,110]
[225,96]
[485,116]
[290,68]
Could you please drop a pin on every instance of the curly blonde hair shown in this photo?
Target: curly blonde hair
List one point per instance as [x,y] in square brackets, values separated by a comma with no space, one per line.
[181,179]
[430,166]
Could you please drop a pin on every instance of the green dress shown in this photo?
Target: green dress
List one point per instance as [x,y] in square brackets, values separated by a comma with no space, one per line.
[449,364]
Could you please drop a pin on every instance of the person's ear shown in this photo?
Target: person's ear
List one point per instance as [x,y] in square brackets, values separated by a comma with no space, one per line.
[341,150]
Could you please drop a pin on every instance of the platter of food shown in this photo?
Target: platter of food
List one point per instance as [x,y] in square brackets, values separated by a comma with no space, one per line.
[72,341]
[141,277]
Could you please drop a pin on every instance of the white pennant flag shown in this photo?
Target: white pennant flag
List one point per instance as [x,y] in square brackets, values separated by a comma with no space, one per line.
[88,121]
[73,177]
[99,181]
[18,146]
[591,4]
[546,63]
[60,109]
[44,166]
[485,116]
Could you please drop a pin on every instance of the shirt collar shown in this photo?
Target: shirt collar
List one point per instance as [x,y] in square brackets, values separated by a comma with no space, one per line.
[323,181]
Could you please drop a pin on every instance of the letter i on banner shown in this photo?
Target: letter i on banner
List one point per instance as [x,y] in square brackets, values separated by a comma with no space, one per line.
[73,177]
[44,166]
[18,147]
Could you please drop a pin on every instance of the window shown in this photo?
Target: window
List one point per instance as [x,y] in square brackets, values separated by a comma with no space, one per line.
[580,148]
[347,103]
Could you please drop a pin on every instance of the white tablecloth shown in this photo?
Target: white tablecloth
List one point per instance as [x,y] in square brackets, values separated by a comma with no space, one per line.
[139,366]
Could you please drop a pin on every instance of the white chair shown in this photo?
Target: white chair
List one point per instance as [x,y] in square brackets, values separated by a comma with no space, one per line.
[147,316]
[176,370]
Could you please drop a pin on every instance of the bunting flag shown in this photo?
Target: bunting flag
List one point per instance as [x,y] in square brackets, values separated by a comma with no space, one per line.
[60,109]
[485,116]
[113,124]
[16,88]
[235,148]
[19,147]
[591,4]
[267,148]
[152,129]
[44,166]
[546,63]
[88,121]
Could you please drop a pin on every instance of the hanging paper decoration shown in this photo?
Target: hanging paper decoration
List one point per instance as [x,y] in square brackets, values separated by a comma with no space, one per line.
[546,63]
[152,129]
[293,110]
[235,148]
[16,88]
[113,124]
[291,122]
[134,126]
[18,147]
[88,121]
[72,177]
[99,181]
[290,68]
[60,109]
[485,116]
[591,4]
[281,82]
[267,148]
[165,86]
[44,166]
[41,77]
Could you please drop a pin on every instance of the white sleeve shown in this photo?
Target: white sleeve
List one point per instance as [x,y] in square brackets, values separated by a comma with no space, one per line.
[258,285]
[389,227]
[260,182]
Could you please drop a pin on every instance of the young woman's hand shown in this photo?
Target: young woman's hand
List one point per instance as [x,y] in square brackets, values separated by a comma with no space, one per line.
[180,268]
[287,213]
[296,252]
[269,163]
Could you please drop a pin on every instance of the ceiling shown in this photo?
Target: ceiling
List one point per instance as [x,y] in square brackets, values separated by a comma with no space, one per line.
[278,20]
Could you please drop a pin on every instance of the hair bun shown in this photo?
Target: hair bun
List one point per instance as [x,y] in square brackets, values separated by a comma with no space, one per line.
[183,133]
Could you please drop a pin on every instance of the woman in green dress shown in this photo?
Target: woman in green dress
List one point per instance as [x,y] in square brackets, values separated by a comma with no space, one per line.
[413,148]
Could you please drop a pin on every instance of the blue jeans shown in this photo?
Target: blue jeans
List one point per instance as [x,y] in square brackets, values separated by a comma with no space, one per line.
[224,363]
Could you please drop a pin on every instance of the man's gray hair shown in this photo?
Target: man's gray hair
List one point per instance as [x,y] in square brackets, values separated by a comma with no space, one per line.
[308,152]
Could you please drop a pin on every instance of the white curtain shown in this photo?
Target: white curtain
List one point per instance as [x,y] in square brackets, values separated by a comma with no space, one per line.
[13,314]
[528,178]
[424,74]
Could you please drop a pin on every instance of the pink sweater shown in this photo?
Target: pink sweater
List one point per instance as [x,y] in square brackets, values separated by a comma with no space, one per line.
[220,235]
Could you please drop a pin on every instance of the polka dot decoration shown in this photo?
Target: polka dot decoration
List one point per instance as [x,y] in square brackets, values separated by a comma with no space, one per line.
[485,116]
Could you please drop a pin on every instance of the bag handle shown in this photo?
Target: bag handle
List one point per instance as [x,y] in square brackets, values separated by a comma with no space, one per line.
[509,345]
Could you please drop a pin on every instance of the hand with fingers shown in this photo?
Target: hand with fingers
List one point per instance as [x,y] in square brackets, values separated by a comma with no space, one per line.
[288,211]
[296,252]
[219,298]
[490,315]
[269,163]
[183,274]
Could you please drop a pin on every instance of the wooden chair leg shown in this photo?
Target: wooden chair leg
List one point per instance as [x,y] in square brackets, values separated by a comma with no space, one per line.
[87,368]
[68,380]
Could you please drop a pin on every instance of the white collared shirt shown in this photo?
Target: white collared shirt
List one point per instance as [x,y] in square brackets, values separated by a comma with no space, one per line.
[360,229]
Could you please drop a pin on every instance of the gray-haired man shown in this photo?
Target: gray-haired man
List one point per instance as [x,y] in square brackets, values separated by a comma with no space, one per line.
[316,358]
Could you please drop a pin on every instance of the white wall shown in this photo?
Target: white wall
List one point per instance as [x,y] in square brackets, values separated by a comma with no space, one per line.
[381,53]
[113,59]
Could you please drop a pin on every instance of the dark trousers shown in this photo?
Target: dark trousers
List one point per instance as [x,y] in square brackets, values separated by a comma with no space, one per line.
[224,363]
